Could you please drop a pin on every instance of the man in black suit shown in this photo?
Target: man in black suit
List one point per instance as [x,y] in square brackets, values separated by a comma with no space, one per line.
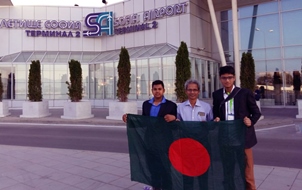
[241,106]
[158,106]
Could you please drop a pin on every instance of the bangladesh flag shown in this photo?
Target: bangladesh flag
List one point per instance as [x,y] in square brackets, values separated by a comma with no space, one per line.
[186,155]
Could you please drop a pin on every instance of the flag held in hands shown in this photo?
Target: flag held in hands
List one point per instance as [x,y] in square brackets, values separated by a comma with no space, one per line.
[186,155]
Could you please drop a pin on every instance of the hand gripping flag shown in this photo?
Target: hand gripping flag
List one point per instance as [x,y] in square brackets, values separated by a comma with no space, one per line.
[187,155]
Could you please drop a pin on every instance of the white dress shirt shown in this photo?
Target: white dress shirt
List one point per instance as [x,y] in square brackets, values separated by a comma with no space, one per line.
[202,111]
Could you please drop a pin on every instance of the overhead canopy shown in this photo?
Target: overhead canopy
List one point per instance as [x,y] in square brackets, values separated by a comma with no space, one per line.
[157,50]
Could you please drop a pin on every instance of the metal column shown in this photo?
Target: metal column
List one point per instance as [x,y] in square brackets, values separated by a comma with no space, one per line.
[216,32]
[236,42]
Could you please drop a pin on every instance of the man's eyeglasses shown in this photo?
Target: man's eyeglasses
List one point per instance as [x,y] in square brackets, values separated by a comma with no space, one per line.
[192,90]
[227,78]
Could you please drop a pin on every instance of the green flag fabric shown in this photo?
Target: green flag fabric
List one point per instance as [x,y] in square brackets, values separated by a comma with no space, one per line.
[186,155]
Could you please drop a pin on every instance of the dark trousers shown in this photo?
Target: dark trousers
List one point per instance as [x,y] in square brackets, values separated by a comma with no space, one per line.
[229,156]
[160,171]
[188,182]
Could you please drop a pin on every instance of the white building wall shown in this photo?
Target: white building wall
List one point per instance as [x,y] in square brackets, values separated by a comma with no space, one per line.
[161,32]
[173,29]
[52,13]
[4,34]
[15,44]
[201,29]
[185,29]
[41,12]
[4,41]
[161,3]
[192,27]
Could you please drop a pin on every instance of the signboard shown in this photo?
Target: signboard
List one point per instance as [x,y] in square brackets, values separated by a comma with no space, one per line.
[101,23]
[98,24]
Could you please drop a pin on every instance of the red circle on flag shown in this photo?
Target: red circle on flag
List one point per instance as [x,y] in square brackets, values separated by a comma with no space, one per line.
[189,157]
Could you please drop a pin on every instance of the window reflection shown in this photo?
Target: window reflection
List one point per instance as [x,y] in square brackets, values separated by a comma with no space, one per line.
[291,5]
[293,80]
[60,86]
[47,79]
[205,79]
[155,69]
[291,52]
[20,91]
[226,31]
[47,72]
[85,80]
[100,78]
[18,78]
[169,77]
[292,30]
[109,81]
[265,35]
[276,46]
[7,81]
[133,89]
[91,82]
[143,88]
[262,9]
[296,85]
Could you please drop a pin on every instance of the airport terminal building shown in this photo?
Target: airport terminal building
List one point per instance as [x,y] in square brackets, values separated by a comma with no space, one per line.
[151,30]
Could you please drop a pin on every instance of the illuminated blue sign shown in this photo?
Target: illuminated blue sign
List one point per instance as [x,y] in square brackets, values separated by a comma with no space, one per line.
[99,23]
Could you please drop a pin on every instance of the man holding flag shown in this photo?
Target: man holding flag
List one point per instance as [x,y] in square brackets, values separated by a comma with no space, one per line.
[158,106]
[231,103]
[194,110]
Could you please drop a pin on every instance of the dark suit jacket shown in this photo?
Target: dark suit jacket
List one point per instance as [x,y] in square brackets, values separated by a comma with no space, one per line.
[244,105]
[168,107]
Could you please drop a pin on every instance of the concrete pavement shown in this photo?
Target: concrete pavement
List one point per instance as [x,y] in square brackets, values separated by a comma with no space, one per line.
[26,168]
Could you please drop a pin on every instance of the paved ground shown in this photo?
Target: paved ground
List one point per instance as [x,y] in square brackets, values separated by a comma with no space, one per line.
[27,168]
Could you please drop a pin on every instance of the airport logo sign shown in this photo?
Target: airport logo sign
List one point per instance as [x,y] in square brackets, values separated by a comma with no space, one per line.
[103,23]
[99,23]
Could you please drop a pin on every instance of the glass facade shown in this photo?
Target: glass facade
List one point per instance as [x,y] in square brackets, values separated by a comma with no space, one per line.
[99,72]
[271,32]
